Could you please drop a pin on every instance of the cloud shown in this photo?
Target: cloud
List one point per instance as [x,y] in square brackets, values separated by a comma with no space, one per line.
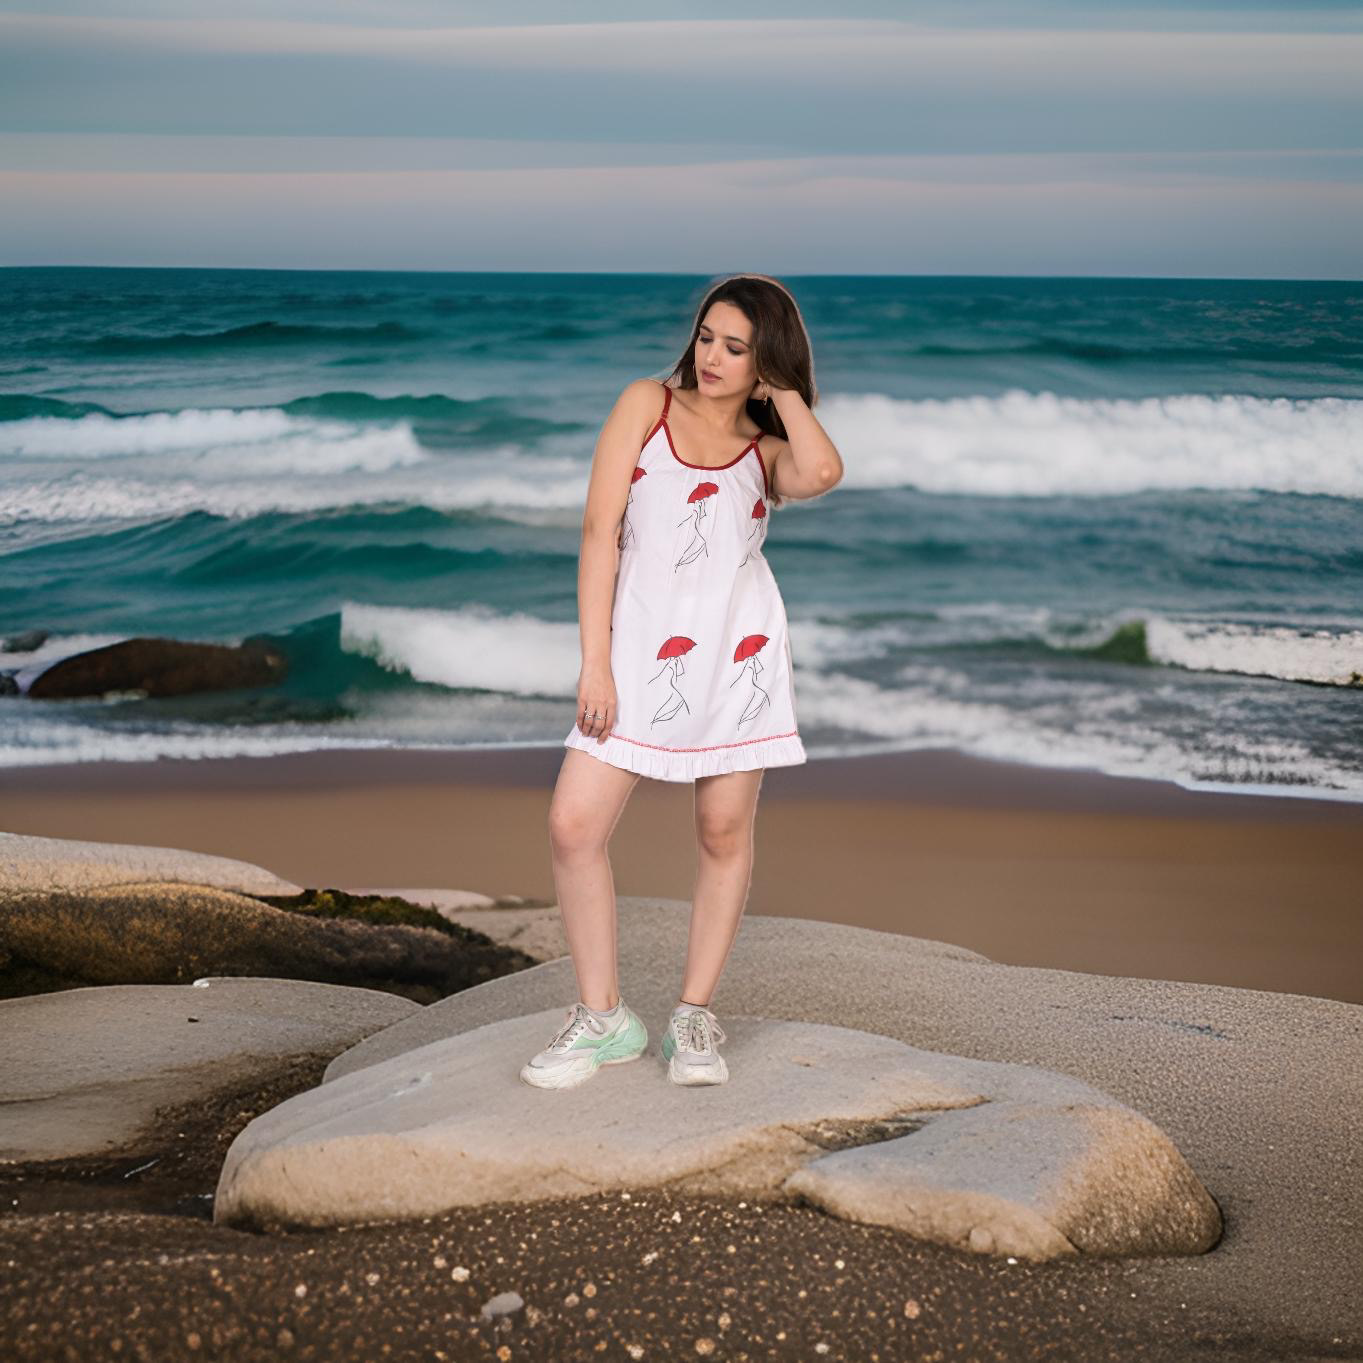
[821,54]
[829,215]
[974,137]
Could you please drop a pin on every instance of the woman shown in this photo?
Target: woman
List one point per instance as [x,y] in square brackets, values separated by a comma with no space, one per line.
[686,670]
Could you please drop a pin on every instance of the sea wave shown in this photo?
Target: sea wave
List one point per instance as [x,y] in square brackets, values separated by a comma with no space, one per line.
[250,335]
[1015,445]
[229,435]
[476,647]
[1328,656]
[1312,349]
[1072,729]
[471,648]
[1040,444]
[488,678]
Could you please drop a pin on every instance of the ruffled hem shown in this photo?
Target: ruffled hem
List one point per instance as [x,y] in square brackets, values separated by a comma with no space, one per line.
[786,751]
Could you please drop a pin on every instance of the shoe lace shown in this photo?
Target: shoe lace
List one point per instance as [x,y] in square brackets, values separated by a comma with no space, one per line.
[697,1030]
[575,1019]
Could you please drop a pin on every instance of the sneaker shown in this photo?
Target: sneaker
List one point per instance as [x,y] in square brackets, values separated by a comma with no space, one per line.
[582,1045]
[689,1047]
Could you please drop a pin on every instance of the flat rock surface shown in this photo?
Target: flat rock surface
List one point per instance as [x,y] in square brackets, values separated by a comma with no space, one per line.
[1258,1091]
[29,862]
[1007,1161]
[84,1071]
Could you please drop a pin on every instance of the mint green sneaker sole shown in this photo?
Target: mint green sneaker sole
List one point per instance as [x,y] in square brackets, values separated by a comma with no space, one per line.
[582,1063]
[629,1045]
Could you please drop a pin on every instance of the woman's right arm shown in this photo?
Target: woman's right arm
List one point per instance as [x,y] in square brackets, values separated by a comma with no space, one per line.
[617,452]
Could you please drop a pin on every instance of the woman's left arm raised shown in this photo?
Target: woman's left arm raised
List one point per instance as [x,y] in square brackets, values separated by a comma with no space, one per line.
[807,463]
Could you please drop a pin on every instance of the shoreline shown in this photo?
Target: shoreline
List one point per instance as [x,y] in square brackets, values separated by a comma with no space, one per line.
[1056,868]
[936,775]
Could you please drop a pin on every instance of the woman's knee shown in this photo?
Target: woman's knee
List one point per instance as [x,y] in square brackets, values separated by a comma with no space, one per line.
[573,829]
[724,835]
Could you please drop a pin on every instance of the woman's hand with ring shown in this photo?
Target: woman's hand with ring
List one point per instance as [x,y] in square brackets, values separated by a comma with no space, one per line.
[596,703]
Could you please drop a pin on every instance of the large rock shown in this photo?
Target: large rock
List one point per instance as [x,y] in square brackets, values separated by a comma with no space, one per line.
[29,862]
[84,1071]
[1258,1090]
[1033,1179]
[170,934]
[161,667]
[786,962]
[1009,1160]
[75,914]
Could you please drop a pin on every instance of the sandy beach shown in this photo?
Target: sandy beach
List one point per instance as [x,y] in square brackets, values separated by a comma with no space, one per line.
[1074,870]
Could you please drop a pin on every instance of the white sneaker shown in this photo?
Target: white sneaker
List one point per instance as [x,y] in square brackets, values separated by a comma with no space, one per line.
[583,1044]
[689,1047]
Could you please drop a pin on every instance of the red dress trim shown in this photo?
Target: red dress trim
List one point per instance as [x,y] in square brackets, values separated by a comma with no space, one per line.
[667,430]
[714,747]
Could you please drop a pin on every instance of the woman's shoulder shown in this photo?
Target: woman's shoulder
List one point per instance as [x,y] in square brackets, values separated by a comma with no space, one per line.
[644,388]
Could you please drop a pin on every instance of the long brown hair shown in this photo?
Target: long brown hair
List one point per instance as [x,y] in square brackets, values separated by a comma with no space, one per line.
[781,349]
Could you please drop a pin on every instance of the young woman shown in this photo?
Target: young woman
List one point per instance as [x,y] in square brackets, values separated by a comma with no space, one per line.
[686,668]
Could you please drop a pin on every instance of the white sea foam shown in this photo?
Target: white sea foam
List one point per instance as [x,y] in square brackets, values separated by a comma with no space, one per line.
[1069,726]
[244,463]
[48,741]
[1029,444]
[469,647]
[194,430]
[1317,655]
[1331,656]
[1068,732]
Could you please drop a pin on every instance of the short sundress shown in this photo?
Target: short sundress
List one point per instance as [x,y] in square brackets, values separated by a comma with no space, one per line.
[700,646]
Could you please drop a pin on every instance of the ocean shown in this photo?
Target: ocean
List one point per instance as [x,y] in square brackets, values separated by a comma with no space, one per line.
[1102,523]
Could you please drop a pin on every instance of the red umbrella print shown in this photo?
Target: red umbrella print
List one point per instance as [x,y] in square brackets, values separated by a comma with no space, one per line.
[626,529]
[674,649]
[745,653]
[698,546]
[759,524]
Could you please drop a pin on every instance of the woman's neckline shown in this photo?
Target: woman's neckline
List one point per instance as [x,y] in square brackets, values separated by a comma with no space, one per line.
[672,445]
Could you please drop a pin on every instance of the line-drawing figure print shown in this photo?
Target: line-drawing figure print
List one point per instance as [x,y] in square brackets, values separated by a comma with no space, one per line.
[626,529]
[759,529]
[673,650]
[698,498]
[746,652]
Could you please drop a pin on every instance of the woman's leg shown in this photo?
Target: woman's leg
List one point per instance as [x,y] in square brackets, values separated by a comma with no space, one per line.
[588,799]
[726,807]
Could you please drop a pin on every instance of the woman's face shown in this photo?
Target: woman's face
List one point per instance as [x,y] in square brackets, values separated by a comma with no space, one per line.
[724,351]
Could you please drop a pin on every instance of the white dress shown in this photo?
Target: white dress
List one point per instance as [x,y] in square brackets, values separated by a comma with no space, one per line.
[700,651]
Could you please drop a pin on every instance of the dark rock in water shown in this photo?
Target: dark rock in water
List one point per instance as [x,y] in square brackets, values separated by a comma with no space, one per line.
[160,667]
[9,685]
[26,642]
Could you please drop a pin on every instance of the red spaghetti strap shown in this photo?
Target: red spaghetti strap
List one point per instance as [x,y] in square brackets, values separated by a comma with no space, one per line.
[661,423]
[761,459]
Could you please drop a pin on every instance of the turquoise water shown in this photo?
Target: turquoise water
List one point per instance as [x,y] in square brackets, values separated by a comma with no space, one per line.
[1103,523]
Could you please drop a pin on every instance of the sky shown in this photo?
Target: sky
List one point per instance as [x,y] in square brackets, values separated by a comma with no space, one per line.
[967,137]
